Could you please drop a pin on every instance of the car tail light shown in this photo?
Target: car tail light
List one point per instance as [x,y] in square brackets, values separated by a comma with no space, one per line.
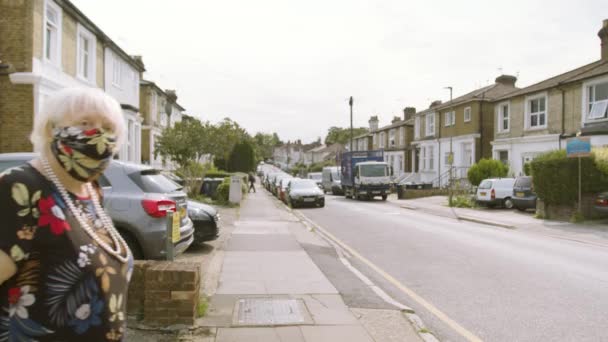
[493,194]
[601,201]
[158,208]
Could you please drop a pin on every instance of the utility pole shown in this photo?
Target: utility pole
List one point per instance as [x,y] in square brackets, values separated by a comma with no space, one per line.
[350,103]
[451,155]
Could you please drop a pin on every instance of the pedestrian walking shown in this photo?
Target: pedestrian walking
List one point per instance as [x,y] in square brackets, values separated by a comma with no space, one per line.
[251,182]
[64,268]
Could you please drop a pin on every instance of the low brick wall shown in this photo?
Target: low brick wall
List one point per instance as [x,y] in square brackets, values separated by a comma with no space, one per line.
[164,293]
[415,193]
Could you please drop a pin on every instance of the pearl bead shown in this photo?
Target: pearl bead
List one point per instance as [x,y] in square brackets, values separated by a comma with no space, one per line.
[117,239]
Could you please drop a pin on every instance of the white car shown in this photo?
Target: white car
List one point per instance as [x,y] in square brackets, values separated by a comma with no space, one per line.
[495,191]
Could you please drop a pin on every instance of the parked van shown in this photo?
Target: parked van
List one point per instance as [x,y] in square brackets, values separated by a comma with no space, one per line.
[496,191]
[317,177]
[331,180]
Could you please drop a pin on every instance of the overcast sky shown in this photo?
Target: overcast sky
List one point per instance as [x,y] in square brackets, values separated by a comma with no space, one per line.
[290,66]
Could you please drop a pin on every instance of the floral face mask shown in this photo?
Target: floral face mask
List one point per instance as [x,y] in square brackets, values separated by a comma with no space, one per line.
[84,154]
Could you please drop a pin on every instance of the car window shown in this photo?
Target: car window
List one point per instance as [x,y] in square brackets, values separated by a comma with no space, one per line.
[486,184]
[524,182]
[304,184]
[7,164]
[153,181]
[103,181]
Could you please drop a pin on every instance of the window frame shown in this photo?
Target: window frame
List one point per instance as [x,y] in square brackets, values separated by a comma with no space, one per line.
[116,71]
[431,157]
[55,58]
[417,128]
[401,136]
[391,138]
[82,32]
[528,117]
[449,118]
[501,118]
[382,140]
[467,110]
[586,110]
[429,128]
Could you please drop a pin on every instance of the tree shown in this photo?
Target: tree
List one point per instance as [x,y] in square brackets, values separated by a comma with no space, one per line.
[223,137]
[264,145]
[242,157]
[486,168]
[183,143]
[342,135]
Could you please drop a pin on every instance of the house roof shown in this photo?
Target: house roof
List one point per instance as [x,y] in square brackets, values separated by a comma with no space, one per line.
[364,135]
[488,93]
[596,68]
[158,89]
[396,124]
[69,7]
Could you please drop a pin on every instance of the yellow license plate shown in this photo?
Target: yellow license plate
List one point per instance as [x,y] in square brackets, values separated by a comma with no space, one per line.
[176,226]
[482,193]
[183,212]
[520,194]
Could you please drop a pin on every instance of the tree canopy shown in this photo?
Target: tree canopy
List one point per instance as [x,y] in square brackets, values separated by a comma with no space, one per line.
[342,135]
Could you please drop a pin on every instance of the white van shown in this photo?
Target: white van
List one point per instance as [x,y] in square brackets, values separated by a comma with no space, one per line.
[331,180]
[495,191]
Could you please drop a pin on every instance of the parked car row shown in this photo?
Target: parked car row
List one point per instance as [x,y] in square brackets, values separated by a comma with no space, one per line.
[293,191]
[138,198]
[507,192]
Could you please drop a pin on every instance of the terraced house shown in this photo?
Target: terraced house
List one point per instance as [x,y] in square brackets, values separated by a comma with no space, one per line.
[47,45]
[450,137]
[540,118]
[364,142]
[395,140]
[159,109]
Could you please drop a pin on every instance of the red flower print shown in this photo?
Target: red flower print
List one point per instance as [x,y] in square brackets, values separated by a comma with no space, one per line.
[90,132]
[51,214]
[67,149]
[14,294]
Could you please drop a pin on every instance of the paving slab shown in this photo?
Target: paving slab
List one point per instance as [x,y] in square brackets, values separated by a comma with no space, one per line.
[387,325]
[328,310]
[281,334]
[261,227]
[328,333]
[265,242]
[291,272]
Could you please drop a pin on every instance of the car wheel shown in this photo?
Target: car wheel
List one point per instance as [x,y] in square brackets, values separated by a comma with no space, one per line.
[507,203]
[520,209]
[384,197]
[133,244]
[322,205]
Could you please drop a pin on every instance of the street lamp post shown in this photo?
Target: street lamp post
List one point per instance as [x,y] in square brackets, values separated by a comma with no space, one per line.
[350,103]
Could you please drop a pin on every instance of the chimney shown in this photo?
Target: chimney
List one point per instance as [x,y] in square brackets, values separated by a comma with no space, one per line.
[373,123]
[396,119]
[435,103]
[140,62]
[603,34]
[408,113]
[507,80]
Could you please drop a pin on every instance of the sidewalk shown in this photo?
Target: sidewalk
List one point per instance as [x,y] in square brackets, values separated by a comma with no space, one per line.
[270,289]
[595,233]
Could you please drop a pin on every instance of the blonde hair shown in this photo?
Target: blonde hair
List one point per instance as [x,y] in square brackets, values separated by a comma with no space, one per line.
[76,102]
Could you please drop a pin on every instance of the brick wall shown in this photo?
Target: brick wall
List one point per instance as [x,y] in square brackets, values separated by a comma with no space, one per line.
[166,293]
[16,112]
[565,212]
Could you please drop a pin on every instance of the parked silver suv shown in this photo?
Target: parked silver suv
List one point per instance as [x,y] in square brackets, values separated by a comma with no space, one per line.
[137,198]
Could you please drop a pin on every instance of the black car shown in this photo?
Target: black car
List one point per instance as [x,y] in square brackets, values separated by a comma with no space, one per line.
[524,196]
[206,221]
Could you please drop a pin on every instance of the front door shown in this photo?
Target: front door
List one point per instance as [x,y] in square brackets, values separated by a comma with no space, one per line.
[467,154]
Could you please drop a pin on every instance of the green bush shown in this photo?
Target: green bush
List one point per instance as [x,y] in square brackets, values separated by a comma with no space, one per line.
[242,157]
[486,168]
[555,177]
[223,192]
[463,201]
[217,174]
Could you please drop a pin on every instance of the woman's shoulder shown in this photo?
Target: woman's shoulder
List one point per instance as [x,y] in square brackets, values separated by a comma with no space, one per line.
[25,174]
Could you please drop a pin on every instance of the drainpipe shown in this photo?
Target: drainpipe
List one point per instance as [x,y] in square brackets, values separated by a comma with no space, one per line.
[563,117]
[481,126]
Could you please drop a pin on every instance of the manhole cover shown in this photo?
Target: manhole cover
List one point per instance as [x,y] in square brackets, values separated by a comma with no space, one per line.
[267,311]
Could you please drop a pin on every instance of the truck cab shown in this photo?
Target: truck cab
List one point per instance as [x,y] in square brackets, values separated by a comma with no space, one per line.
[372,179]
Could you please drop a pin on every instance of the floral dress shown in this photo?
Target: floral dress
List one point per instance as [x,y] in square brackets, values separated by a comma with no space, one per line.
[67,288]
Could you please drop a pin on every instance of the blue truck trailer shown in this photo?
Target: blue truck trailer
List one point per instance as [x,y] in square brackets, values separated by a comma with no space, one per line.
[365,175]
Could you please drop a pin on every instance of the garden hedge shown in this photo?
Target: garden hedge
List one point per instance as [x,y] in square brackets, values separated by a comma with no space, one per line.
[555,177]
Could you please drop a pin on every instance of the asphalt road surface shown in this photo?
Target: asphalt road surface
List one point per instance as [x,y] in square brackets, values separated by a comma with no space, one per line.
[498,284]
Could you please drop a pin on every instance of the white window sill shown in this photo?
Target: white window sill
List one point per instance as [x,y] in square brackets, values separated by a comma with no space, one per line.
[537,128]
[592,121]
[503,132]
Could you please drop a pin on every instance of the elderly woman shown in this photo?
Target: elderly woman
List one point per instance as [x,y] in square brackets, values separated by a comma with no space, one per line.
[64,269]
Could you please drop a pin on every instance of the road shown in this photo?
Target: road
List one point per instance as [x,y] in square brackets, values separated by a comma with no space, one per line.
[497,284]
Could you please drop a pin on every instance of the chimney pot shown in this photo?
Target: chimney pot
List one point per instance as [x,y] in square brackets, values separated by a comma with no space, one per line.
[506,80]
